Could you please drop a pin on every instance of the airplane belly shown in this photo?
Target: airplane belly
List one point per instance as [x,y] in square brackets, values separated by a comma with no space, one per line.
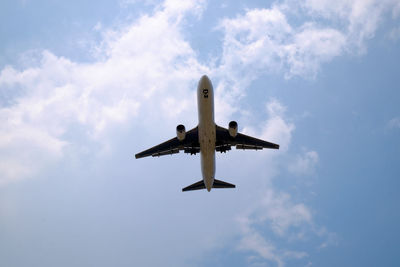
[207,134]
[207,148]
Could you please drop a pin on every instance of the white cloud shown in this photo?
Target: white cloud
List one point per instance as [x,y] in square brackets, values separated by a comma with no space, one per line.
[312,46]
[277,128]
[281,213]
[284,217]
[265,41]
[253,40]
[305,164]
[273,214]
[253,241]
[361,18]
[142,62]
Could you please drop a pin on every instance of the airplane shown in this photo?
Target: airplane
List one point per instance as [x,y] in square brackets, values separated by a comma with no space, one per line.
[206,139]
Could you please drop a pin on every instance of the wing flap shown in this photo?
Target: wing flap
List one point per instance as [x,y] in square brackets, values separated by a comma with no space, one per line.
[167,152]
[244,147]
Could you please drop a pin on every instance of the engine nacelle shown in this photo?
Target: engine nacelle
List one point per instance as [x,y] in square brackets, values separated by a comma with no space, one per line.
[180,132]
[233,129]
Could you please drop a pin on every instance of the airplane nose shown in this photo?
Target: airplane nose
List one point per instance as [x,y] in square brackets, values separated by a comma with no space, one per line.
[204,77]
[204,82]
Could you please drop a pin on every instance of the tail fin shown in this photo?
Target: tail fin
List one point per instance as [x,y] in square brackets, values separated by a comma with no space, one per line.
[200,185]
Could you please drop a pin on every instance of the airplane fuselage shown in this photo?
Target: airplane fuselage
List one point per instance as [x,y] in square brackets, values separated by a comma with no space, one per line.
[207,134]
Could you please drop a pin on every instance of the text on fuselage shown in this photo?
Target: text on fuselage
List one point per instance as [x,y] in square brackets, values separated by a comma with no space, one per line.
[205,93]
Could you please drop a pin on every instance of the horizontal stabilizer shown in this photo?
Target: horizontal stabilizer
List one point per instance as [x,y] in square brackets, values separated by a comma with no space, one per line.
[222,184]
[196,186]
[200,185]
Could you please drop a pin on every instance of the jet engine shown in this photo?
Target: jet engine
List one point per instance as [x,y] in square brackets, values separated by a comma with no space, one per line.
[233,129]
[180,132]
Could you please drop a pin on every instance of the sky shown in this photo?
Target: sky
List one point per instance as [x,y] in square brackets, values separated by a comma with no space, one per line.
[84,85]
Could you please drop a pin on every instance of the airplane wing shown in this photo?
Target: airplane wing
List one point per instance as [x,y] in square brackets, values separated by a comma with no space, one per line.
[241,141]
[189,145]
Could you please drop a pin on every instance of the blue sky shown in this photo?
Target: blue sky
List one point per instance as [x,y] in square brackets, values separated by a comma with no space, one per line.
[85,86]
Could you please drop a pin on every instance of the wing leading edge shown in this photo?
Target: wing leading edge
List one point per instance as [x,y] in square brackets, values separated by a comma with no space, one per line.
[189,145]
[241,141]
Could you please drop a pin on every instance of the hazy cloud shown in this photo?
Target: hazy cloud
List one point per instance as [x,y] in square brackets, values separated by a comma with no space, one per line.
[305,164]
[394,34]
[394,123]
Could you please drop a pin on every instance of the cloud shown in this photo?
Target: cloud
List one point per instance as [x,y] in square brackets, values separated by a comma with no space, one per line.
[131,75]
[394,123]
[360,18]
[394,34]
[277,128]
[274,220]
[265,41]
[253,40]
[286,219]
[396,11]
[305,164]
[253,241]
[281,213]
